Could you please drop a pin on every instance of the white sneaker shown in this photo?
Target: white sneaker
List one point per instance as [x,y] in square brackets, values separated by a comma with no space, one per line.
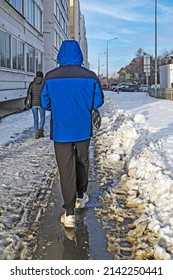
[69,233]
[80,202]
[68,221]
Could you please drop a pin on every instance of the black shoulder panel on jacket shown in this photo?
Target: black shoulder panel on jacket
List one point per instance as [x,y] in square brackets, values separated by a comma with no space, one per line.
[71,71]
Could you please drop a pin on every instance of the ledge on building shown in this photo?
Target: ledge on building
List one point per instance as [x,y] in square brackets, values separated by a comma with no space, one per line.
[11,107]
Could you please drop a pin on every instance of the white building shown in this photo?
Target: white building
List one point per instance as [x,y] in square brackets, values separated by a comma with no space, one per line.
[21,48]
[78,30]
[56,29]
[83,41]
[31,32]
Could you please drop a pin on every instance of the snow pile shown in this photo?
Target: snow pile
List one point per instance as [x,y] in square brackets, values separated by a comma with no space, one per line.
[132,160]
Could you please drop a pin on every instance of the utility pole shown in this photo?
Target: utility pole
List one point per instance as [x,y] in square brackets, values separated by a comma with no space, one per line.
[107,55]
[155,47]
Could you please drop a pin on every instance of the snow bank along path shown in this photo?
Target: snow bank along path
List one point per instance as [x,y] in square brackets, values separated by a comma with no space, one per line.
[132,161]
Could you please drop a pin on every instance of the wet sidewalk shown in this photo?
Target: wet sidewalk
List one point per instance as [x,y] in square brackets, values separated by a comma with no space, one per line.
[30,215]
[86,242]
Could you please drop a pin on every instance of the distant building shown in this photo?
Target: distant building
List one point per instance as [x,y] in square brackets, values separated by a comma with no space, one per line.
[83,41]
[56,29]
[78,29]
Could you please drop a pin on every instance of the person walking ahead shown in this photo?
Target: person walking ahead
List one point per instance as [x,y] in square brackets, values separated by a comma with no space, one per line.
[38,112]
[71,92]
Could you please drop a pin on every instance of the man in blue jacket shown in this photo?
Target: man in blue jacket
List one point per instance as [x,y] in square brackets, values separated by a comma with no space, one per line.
[71,92]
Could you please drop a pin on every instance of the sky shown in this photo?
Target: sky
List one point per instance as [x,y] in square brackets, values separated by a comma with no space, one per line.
[132,22]
[131,133]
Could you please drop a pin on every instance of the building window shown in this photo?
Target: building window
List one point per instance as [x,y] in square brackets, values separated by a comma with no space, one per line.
[33,14]
[38,61]
[30,58]
[57,40]
[56,10]
[5,50]
[17,54]
[38,18]
[29,11]
[17,4]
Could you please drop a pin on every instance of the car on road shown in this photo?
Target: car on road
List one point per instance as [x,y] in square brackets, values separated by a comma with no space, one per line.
[112,86]
[115,88]
[143,87]
[128,88]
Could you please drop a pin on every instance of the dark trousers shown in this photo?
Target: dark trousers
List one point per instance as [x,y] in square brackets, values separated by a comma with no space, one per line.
[73,164]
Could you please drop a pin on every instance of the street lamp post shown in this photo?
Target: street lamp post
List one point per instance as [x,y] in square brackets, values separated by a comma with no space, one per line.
[107,55]
[99,63]
[155,46]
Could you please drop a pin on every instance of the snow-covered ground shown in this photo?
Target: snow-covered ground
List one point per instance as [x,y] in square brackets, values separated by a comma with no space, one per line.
[27,172]
[134,151]
[158,114]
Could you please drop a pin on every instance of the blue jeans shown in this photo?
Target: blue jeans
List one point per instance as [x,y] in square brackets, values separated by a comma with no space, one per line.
[39,117]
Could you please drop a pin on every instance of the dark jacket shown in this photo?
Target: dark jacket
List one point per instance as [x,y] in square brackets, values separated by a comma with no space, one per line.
[34,90]
[70,92]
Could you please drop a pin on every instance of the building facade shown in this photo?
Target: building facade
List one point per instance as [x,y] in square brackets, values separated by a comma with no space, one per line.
[56,29]
[31,32]
[83,41]
[21,47]
[78,29]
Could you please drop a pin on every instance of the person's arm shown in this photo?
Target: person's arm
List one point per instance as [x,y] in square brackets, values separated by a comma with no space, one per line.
[29,91]
[98,96]
[45,98]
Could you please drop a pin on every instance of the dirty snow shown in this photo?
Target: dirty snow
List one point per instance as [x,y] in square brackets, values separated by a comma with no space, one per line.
[134,150]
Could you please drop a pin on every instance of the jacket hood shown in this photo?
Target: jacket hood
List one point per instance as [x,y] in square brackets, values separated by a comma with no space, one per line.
[70,53]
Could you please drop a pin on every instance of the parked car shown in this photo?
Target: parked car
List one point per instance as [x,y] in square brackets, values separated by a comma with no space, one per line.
[128,88]
[143,87]
[115,88]
[112,86]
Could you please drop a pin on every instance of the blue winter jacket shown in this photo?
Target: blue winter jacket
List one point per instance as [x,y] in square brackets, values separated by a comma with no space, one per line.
[70,92]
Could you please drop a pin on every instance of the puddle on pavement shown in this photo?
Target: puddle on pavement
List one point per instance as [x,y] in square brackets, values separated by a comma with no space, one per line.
[87,241]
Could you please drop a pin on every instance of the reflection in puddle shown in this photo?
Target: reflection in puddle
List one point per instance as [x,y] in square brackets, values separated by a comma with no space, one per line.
[76,241]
